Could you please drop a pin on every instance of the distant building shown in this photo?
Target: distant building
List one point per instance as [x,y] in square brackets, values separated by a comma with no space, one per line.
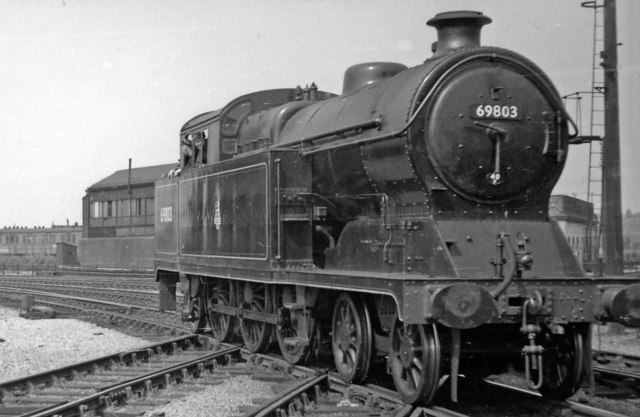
[118,219]
[37,241]
[575,217]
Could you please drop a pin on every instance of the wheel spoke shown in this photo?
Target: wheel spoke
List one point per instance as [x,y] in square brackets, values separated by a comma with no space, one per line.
[254,333]
[352,356]
[197,325]
[416,376]
[562,364]
[222,325]
[343,321]
[416,361]
[417,364]
[351,338]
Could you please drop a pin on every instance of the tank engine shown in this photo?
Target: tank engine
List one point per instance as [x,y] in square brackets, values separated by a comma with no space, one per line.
[401,225]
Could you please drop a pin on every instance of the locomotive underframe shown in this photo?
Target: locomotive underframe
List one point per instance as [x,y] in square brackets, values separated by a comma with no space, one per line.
[558,301]
[303,322]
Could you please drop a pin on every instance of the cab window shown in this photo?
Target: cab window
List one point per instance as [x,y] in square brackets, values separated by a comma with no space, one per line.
[234,117]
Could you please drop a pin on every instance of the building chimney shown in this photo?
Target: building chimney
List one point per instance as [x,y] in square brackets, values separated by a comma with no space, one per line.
[459,29]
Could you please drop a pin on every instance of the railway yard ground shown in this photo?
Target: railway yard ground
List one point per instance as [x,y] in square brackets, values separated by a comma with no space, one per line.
[32,346]
[628,341]
[29,346]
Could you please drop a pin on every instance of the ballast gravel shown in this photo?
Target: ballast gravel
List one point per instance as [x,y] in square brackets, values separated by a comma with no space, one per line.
[31,346]
[222,400]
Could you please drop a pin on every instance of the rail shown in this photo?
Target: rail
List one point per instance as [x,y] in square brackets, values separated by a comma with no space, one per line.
[29,269]
[104,398]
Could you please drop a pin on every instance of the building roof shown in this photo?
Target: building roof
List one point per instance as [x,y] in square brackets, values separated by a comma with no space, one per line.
[564,207]
[55,228]
[139,176]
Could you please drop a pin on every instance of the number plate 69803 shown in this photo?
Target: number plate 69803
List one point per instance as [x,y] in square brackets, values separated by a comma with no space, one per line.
[494,111]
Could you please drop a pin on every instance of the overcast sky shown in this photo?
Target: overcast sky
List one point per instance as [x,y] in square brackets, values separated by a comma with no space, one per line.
[88,84]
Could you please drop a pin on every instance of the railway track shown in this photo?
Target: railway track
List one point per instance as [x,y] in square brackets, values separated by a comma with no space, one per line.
[104,384]
[95,298]
[136,291]
[139,381]
[93,282]
[619,373]
[138,321]
[135,382]
[528,401]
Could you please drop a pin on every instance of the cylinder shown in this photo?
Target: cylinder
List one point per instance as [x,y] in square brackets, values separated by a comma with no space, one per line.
[463,306]
[622,304]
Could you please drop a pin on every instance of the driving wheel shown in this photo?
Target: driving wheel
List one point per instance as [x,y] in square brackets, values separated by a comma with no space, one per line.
[351,338]
[222,324]
[255,334]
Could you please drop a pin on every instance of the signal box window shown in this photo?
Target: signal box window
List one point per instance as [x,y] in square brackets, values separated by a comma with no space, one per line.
[96,210]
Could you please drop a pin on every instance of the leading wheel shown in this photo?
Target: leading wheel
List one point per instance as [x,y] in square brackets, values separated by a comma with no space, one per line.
[222,325]
[255,334]
[415,361]
[351,338]
[562,361]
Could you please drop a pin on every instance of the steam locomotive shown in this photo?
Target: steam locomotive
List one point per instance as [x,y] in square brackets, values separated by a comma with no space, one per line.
[402,225]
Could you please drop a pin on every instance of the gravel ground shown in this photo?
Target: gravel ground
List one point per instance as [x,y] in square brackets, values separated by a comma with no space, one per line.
[31,346]
[628,342]
[221,400]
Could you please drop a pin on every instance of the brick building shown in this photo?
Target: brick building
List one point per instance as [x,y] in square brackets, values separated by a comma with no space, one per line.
[37,241]
[118,219]
[575,216]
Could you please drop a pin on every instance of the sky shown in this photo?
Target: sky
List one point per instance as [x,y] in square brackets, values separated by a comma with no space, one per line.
[88,84]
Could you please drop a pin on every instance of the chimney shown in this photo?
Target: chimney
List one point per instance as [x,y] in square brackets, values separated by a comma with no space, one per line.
[459,29]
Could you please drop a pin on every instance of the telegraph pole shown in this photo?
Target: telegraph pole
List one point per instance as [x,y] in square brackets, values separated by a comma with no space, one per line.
[611,201]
